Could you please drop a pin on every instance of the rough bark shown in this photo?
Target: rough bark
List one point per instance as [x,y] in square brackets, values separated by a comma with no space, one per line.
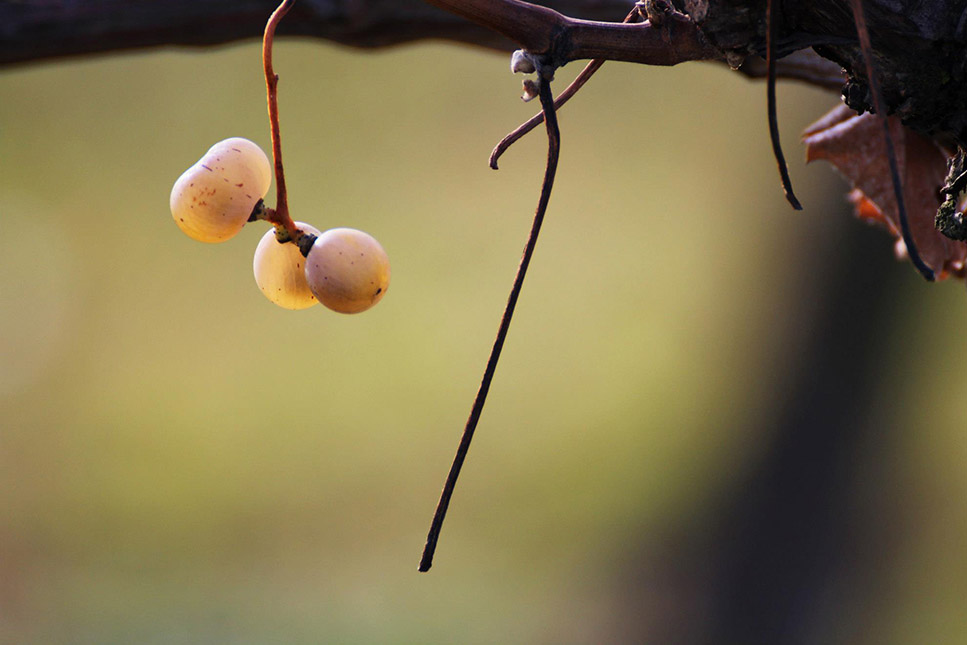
[920,51]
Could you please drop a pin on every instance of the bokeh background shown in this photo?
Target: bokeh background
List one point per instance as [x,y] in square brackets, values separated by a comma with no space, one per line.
[715,420]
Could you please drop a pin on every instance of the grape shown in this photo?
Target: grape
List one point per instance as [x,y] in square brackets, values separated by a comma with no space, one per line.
[280,273]
[347,270]
[213,199]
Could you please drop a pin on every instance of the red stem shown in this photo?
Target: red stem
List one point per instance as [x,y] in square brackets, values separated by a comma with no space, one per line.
[281,216]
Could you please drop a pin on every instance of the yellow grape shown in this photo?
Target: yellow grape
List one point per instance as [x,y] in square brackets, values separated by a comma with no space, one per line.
[347,270]
[213,199]
[280,271]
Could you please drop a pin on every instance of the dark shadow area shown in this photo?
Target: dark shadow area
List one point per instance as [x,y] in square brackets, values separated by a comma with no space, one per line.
[786,558]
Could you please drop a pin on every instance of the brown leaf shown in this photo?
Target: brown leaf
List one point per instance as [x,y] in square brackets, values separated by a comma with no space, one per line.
[854,144]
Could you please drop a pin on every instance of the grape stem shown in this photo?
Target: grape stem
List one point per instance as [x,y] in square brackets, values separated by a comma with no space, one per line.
[772,32]
[553,153]
[285,227]
[867,49]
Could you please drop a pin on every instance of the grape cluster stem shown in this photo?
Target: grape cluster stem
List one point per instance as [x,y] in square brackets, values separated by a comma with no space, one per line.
[279,216]
[283,233]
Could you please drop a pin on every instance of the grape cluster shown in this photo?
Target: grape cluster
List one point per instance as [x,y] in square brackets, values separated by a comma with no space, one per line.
[344,269]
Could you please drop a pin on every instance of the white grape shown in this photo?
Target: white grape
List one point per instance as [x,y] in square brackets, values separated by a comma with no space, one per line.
[347,270]
[280,271]
[213,199]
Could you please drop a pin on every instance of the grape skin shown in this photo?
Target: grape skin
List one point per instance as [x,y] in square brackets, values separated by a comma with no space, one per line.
[212,200]
[280,273]
[347,270]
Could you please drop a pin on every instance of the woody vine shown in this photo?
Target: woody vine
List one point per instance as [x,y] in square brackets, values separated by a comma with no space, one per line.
[910,176]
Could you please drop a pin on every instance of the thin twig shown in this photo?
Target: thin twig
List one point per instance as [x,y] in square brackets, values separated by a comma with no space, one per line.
[772,31]
[553,152]
[867,51]
[563,98]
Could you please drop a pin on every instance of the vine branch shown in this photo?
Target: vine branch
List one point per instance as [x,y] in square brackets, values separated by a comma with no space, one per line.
[37,30]
[560,39]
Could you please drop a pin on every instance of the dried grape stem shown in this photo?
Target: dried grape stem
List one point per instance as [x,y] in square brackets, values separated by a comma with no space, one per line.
[867,50]
[553,152]
[772,31]
[281,217]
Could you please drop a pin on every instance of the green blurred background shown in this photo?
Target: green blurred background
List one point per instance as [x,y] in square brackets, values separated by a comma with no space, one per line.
[181,461]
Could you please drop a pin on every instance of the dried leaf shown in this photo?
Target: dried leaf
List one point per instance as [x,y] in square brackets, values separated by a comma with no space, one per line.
[854,144]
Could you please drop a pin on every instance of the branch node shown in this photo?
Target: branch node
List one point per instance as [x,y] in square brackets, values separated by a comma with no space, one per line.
[634,15]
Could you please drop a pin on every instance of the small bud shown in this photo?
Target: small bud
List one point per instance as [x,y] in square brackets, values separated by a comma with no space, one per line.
[531,91]
[521,63]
